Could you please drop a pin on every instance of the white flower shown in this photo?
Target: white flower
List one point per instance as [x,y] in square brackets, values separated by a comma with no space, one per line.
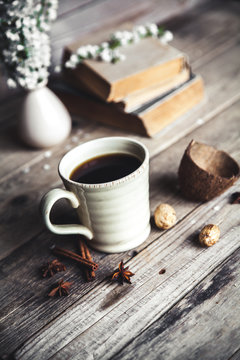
[12,36]
[6,53]
[22,82]
[29,71]
[141,30]
[166,37]
[152,28]
[91,50]
[117,35]
[27,22]
[18,23]
[70,65]
[74,59]
[57,69]
[45,26]
[127,35]
[121,57]
[135,38]
[11,83]
[38,7]
[106,55]
[82,51]
[54,3]
[10,13]
[52,14]
[33,22]
[95,49]
[20,47]
[123,41]
[119,38]
[104,45]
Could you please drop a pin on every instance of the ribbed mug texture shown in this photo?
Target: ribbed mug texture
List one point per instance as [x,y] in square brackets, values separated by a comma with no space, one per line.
[116,212]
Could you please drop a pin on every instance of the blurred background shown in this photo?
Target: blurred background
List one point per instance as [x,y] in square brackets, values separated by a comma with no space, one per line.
[76,18]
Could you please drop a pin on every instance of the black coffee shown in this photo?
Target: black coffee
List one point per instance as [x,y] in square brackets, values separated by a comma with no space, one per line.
[105,168]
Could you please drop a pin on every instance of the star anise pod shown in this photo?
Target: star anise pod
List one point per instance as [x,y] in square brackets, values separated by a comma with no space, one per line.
[52,267]
[122,274]
[236,198]
[62,289]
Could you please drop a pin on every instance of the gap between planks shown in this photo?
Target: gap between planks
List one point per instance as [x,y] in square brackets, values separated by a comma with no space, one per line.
[20,234]
[236,355]
[171,160]
[151,12]
[189,329]
[92,316]
[167,137]
[209,134]
[65,9]
[168,134]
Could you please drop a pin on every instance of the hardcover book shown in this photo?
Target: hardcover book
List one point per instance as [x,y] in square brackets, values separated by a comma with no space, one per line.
[147,63]
[148,119]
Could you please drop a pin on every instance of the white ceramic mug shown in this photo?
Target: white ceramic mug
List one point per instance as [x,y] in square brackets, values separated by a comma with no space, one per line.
[116,214]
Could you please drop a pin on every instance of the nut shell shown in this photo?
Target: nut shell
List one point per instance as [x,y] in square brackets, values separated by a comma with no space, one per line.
[165,216]
[206,172]
[209,235]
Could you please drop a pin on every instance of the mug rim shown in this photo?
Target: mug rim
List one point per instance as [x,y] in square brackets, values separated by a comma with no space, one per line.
[108,184]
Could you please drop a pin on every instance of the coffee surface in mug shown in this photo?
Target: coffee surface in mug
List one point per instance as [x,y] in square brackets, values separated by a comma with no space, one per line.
[105,168]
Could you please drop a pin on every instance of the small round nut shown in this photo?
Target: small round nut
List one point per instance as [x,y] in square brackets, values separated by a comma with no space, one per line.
[165,216]
[209,235]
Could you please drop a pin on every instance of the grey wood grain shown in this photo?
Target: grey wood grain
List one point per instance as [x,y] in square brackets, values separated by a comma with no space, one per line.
[204,325]
[235,356]
[67,7]
[14,155]
[218,50]
[28,312]
[112,12]
[109,316]
[218,46]
[37,181]
[76,17]
[83,324]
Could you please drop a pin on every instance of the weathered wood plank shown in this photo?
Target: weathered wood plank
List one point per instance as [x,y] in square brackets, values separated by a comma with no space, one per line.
[29,308]
[26,311]
[32,185]
[190,28]
[203,28]
[66,7]
[105,14]
[235,356]
[15,156]
[201,326]
[216,37]
[78,17]
[8,108]
[227,92]
[159,11]
[110,316]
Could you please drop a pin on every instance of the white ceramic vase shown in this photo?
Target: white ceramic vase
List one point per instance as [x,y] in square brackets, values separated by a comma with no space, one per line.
[44,120]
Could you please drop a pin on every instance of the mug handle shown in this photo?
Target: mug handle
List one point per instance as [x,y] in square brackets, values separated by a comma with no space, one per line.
[46,205]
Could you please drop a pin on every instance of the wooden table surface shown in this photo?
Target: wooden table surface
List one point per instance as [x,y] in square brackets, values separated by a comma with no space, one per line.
[192,311]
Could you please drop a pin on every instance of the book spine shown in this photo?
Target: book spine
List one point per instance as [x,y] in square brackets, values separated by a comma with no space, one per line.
[149,77]
[172,106]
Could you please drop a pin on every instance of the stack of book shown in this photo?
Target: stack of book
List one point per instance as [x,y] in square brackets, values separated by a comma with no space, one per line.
[143,94]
